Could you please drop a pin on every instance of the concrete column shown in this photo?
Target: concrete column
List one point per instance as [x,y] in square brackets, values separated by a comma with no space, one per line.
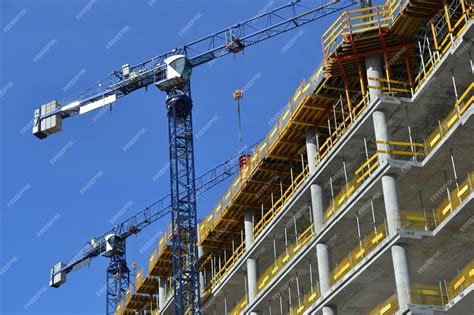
[161,293]
[317,204]
[201,273]
[328,310]
[402,274]
[252,278]
[392,202]
[311,149]
[374,69]
[249,216]
[324,267]
[391,197]
[381,134]
[252,268]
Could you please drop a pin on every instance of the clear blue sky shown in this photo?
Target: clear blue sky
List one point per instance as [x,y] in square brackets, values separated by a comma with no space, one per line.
[47,52]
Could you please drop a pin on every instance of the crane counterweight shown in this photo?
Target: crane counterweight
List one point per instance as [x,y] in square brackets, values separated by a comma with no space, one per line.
[47,126]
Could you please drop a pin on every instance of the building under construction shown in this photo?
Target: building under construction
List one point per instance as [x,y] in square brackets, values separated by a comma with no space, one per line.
[359,199]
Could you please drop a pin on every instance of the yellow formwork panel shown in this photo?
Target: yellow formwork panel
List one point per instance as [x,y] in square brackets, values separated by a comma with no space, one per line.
[160,260]
[145,284]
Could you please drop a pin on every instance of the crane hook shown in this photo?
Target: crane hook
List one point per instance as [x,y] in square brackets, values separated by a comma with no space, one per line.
[238,94]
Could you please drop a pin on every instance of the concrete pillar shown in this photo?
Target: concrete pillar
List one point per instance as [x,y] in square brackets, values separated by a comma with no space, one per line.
[317,204]
[328,310]
[374,69]
[311,149]
[399,251]
[201,273]
[161,293]
[392,202]
[402,274]
[249,216]
[252,268]
[252,278]
[391,197]
[324,267]
[381,134]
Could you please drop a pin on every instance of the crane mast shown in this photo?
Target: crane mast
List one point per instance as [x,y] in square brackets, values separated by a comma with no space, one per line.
[171,73]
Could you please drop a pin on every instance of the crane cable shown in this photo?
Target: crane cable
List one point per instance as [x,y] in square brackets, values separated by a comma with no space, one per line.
[238,94]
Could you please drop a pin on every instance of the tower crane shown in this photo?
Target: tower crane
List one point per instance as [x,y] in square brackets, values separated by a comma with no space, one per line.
[112,244]
[171,72]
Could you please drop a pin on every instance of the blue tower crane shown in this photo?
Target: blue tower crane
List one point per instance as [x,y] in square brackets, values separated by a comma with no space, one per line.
[171,73]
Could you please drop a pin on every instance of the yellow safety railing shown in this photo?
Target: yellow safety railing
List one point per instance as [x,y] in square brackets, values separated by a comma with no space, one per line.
[350,187]
[366,169]
[227,266]
[355,22]
[442,45]
[444,126]
[388,307]
[341,129]
[162,243]
[420,294]
[410,148]
[152,259]
[139,278]
[367,244]
[307,301]
[461,192]
[428,220]
[119,308]
[278,205]
[239,306]
[427,295]
[463,280]
[391,86]
[285,257]
[454,27]
[414,220]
